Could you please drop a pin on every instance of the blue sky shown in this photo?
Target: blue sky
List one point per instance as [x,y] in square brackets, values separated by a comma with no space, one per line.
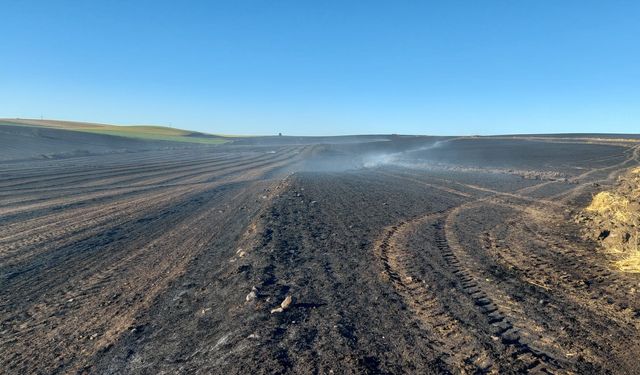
[326,67]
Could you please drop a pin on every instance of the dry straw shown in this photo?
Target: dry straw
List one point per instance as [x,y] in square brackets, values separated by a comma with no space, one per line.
[620,209]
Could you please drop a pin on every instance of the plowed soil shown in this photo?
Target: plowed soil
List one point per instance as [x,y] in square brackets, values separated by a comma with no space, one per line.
[401,256]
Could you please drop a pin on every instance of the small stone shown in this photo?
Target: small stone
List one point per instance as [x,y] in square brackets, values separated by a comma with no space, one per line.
[285,304]
[251,296]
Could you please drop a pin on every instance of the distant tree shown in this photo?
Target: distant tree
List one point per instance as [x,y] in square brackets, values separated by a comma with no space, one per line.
[279,134]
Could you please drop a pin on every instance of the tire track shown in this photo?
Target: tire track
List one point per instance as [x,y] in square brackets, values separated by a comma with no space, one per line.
[463,352]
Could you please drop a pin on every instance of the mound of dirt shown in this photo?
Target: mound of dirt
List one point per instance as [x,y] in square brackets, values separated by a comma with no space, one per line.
[613,219]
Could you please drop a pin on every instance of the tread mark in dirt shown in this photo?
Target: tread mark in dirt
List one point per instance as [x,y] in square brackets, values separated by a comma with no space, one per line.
[534,360]
[572,267]
[460,350]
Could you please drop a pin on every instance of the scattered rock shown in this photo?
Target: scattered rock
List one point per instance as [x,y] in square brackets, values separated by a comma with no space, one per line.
[283,306]
[252,295]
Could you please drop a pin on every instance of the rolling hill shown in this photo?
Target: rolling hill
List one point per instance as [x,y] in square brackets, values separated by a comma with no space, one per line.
[22,139]
[149,132]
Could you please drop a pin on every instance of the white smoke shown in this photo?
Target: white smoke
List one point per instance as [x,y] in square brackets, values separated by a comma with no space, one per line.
[397,158]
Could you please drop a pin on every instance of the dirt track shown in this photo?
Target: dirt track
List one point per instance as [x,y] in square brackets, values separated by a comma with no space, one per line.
[141,263]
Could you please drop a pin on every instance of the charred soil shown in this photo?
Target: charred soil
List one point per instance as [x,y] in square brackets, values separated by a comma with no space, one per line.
[304,258]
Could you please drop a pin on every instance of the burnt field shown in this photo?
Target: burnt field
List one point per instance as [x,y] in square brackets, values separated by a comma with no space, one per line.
[400,255]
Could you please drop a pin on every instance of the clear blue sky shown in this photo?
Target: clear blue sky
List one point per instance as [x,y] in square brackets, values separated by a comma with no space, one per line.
[326,67]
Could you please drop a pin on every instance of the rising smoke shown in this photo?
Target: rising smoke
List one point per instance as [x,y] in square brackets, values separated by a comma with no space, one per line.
[402,158]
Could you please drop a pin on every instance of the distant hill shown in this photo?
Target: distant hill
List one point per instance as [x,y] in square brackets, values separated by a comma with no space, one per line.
[47,139]
[148,132]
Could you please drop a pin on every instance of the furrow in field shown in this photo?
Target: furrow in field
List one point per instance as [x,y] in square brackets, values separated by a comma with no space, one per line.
[82,228]
[53,176]
[167,178]
[23,230]
[117,267]
[119,286]
[122,176]
[109,178]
